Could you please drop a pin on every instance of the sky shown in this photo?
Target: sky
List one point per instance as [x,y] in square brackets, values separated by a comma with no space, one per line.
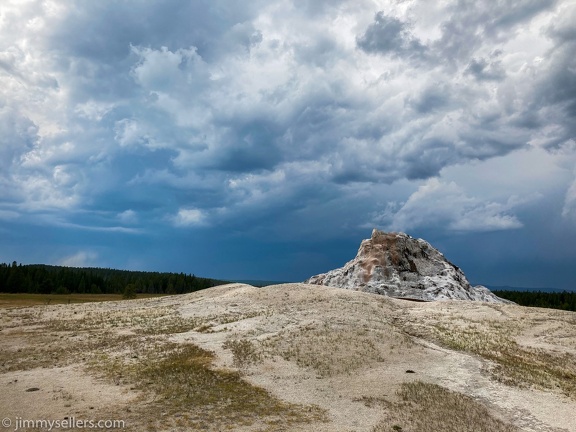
[265,139]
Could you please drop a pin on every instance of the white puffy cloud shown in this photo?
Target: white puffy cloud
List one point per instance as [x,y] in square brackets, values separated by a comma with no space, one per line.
[128,217]
[439,204]
[181,74]
[189,217]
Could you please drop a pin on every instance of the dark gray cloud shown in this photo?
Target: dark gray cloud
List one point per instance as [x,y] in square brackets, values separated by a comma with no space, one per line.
[556,92]
[250,147]
[561,87]
[485,70]
[433,98]
[470,25]
[172,89]
[19,135]
[510,13]
[104,32]
[280,119]
[389,35]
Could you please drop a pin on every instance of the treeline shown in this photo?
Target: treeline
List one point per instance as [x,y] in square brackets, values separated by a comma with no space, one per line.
[555,300]
[45,279]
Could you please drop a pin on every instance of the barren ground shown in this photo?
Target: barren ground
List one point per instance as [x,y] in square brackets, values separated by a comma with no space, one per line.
[290,357]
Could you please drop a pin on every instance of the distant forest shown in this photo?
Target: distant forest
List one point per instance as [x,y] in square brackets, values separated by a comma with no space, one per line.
[45,279]
[555,300]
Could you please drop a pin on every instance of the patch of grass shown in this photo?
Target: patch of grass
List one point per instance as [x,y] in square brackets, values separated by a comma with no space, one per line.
[179,381]
[177,385]
[237,316]
[244,352]
[24,351]
[143,321]
[329,349]
[36,337]
[515,365]
[25,300]
[424,407]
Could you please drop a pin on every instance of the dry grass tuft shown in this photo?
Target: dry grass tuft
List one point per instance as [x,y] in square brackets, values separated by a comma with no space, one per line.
[425,407]
[514,364]
[158,321]
[331,349]
[244,352]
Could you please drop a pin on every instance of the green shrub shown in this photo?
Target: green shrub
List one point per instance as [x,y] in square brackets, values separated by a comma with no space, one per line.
[129,292]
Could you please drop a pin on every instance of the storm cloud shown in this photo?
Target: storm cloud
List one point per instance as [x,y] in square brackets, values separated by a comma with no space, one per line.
[167,121]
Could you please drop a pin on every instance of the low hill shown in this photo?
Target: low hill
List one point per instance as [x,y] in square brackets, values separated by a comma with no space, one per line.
[292,357]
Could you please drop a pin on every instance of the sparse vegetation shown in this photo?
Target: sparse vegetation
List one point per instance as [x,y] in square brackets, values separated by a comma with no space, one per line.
[147,321]
[424,407]
[132,348]
[174,384]
[244,352]
[330,349]
[25,300]
[179,380]
[514,364]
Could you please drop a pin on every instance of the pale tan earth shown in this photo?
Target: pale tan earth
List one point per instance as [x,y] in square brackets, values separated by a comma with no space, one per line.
[325,349]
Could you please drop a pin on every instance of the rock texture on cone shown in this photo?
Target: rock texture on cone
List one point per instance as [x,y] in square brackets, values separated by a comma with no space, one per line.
[397,265]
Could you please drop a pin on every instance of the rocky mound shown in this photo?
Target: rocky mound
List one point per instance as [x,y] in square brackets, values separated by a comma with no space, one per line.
[397,265]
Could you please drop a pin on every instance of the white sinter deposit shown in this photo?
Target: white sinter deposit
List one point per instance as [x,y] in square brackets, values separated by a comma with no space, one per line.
[397,265]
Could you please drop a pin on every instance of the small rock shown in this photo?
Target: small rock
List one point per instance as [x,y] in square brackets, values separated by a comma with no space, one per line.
[32,389]
[410,371]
